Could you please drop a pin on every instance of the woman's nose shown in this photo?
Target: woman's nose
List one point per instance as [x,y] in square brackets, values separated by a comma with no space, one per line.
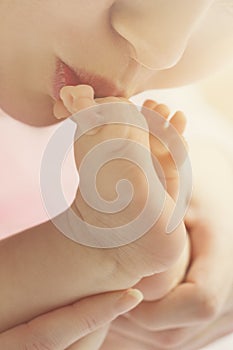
[158,30]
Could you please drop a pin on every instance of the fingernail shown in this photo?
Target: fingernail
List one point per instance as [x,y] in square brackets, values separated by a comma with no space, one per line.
[129,300]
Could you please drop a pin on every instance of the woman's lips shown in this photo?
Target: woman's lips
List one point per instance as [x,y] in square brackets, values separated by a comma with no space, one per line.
[66,76]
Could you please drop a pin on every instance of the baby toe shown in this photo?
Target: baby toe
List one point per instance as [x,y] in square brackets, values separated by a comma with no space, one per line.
[77,98]
[150,104]
[178,120]
[163,110]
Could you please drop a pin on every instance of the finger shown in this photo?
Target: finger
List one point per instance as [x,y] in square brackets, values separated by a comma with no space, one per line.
[186,338]
[92,341]
[199,299]
[129,330]
[202,337]
[163,339]
[220,328]
[175,338]
[192,338]
[61,328]
[117,341]
[124,325]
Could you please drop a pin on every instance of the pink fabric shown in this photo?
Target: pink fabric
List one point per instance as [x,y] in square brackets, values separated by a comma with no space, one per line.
[21,151]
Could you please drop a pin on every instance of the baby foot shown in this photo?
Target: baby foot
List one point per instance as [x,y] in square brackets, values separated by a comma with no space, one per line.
[155,251]
[67,271]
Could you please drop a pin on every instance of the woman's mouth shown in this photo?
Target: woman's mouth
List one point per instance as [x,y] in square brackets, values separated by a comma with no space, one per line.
[67,76]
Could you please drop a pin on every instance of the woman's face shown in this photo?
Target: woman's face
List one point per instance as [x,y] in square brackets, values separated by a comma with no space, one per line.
[120,47]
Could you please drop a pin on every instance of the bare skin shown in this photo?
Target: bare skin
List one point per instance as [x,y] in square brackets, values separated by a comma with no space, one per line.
[26,69]
[50,268]
[59,329]
[76,98]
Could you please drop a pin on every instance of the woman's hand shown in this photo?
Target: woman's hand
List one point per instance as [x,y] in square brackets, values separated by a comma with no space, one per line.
[200,309]
[82,325]
[174,341]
